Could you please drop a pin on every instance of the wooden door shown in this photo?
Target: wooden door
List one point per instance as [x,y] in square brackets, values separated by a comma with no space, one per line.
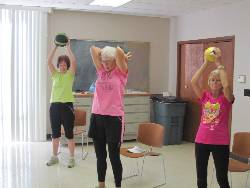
[190,58]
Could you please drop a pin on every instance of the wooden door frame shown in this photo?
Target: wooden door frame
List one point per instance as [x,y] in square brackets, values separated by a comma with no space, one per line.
[217,39]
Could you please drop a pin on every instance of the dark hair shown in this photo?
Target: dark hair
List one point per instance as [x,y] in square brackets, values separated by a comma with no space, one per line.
[64,58]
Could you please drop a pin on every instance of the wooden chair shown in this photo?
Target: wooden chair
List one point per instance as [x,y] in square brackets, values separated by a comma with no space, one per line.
[240,156]
[80,128]
[151,135]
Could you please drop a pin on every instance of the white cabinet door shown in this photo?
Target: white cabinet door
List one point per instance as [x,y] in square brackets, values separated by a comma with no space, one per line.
[136,100]
[137,110]
[131,128]
[136,117]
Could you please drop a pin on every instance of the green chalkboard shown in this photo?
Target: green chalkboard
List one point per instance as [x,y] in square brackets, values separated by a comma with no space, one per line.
[86,73]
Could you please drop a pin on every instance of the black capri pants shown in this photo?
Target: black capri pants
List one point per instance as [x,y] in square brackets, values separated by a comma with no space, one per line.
[62,114]
[105,129]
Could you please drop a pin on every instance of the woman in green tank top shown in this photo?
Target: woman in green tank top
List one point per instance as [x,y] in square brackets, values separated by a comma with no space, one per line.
[61,108]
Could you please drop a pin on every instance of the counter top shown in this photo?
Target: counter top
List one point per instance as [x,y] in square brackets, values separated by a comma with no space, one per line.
[79,95]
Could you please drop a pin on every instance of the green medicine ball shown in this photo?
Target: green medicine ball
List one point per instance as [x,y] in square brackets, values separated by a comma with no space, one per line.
[61,39]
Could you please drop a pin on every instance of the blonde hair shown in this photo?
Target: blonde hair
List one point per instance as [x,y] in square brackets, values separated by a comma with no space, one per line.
[108,53]
[215,72]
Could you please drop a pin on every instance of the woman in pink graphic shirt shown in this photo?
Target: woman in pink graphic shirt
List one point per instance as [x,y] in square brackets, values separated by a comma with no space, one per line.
[106,123]
[213,133]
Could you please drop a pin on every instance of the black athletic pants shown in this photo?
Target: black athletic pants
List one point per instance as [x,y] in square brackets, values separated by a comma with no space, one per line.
[106,130]
[221,159]
[114,156]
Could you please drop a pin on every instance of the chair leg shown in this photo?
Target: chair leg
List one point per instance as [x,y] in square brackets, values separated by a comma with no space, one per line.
[87,138]
[164,173]
[144,158]
[133,175]
[137,165]
[87,148]
[82,145]
[247,178]
[84,155]
[164,170]
[59,148]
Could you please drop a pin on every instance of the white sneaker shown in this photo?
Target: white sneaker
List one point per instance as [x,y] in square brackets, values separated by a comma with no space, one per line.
[53,160]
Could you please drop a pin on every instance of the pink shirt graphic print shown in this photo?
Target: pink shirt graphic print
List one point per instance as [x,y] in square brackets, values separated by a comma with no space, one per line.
[211,114]
[108,96]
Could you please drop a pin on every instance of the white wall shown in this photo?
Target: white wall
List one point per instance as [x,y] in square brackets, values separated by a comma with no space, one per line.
[218,22]
[99,26]
[122,28]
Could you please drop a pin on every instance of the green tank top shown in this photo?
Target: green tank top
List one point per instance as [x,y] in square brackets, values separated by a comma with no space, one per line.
[62,87]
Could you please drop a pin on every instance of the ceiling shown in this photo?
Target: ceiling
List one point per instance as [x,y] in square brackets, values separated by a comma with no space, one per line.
[152,8]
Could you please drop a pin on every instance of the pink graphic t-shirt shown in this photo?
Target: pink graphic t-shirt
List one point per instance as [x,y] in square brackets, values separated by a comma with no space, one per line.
[213,127]
[109,91]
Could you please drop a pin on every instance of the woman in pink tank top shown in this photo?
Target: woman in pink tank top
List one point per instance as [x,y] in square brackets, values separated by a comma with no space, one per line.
[213,133]
[106,123]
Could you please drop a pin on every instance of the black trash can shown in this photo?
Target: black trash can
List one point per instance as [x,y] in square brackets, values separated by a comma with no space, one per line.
[169,112]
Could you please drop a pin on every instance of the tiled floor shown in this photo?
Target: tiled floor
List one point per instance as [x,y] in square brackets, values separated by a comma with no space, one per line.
[23,166]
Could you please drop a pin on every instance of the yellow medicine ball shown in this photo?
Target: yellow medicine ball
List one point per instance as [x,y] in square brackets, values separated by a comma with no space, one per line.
[210,54]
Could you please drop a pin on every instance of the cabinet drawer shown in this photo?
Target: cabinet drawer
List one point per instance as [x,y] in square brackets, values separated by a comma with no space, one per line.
[136,100]
[137,108]
[131,128]
[136,117]
[83,101]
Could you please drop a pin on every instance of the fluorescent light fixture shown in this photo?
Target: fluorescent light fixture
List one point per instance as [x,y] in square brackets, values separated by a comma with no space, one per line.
[110,3]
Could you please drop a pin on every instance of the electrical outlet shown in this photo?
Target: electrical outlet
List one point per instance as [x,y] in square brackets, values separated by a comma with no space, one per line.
[241,78]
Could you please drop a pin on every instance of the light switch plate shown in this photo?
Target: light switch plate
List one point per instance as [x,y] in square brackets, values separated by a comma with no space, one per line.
[241,78]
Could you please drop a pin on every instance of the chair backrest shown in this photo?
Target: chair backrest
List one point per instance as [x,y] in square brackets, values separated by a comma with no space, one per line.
[151,134]
[241,144]
[80,117]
